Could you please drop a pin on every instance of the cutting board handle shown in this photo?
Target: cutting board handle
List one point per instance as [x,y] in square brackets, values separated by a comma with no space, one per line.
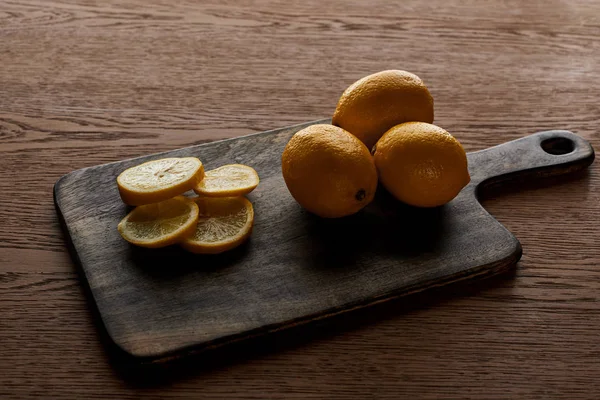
[542,154]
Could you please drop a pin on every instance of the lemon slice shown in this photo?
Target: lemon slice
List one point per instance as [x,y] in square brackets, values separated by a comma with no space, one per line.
[159,180]
[224,223]
[160,224]
[228,181]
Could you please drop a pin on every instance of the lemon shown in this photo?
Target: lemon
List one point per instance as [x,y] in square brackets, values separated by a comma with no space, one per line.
[228,181]
[328,171]
[159,180]
[421,164]
[224,223]
[160,224]
[375,103]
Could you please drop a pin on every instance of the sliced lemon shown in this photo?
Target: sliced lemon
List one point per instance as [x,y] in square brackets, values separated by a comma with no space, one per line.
[228,181]
[159,180]
[224,223]
[160,224]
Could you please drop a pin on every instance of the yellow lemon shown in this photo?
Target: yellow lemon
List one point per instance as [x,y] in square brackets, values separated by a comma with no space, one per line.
[160,224]
[159,180]
[224,223]
[329,171]
[375,103]
[228,181]
[421,164]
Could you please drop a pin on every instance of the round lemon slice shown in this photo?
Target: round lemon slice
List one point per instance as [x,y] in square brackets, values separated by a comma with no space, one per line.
[224,224]
[160,224]
[228,181]
[159,180]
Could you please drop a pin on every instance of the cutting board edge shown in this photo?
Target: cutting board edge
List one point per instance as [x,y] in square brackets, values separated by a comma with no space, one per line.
[83,278]
[142,356]
[477,273]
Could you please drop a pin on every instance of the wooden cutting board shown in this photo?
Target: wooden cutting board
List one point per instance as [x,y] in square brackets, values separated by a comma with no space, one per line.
[296,268]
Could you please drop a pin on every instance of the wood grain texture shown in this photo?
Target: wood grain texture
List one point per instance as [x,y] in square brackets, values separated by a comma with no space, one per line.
[296,269]
[84,83]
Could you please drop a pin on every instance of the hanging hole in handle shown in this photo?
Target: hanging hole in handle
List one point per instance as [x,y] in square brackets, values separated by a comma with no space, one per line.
[558,146]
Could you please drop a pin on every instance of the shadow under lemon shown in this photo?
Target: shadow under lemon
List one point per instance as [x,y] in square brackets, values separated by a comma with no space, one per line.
[385,227]
[173,262]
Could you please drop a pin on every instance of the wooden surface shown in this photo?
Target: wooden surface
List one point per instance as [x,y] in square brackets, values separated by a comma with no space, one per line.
[296,269]
[84,83]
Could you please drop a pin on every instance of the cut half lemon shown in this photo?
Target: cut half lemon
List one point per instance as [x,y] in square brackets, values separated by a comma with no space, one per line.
[160,224]
[159,180]
[228,181]
[224,224]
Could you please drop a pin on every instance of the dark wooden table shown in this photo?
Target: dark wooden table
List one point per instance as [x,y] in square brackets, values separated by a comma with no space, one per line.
[84,83]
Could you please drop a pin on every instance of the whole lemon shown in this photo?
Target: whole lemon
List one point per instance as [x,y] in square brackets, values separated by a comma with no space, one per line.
[329,171]
[421,164]
[375,103]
